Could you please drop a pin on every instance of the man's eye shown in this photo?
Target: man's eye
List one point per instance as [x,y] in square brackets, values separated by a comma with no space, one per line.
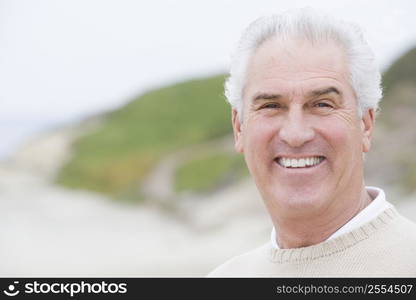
[323,104]
[271,105]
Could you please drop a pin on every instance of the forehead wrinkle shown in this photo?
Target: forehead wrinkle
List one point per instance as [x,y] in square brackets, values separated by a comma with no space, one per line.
[290,91]
[273,74]
[324,91]
[271,57]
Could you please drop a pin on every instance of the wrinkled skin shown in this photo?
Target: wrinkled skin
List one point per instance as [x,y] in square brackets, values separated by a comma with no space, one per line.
[298,102]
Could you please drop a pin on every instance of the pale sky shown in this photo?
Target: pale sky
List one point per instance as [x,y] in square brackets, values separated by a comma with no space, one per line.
[63,60]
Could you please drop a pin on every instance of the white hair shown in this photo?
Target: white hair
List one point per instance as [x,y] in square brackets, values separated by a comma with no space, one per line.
[314,27]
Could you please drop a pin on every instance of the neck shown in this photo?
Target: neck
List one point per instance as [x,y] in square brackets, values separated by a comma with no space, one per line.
[316,227]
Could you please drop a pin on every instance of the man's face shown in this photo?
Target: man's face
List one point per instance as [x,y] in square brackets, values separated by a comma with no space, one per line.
[301,135]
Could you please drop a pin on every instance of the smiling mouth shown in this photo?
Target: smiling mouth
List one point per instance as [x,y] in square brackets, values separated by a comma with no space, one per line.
[302,162]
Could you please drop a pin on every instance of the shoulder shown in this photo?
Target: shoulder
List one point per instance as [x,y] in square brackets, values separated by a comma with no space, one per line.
[243,265]
[399,234]
[405,228]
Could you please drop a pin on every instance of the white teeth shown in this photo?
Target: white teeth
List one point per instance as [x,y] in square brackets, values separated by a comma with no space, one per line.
[294,162]
[300,163]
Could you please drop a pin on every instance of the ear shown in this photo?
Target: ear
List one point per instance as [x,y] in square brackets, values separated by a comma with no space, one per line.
[367,126]
[237,129]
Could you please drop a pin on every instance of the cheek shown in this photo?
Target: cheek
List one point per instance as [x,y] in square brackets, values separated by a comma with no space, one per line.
[257,140]
[344,139]
[258,133]
[337,135]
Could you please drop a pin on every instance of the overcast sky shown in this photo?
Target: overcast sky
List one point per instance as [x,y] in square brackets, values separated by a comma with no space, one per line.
[63,60]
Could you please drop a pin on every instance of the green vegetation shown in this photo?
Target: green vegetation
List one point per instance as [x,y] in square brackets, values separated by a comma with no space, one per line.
[402,70]
[209,172]
[116,157]
[399,83]
[391,160]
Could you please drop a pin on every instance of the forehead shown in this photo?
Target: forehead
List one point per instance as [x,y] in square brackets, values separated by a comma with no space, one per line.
[296,67]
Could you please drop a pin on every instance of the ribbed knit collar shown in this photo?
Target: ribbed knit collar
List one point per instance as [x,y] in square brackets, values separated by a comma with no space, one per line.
[377,205]
[335,245]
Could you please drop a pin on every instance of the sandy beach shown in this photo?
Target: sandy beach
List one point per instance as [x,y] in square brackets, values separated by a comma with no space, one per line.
[48,231]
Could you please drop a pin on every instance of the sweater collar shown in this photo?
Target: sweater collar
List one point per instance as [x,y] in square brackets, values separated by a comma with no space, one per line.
[337,244]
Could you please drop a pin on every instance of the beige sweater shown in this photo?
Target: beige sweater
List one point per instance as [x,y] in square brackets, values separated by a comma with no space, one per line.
[383,247]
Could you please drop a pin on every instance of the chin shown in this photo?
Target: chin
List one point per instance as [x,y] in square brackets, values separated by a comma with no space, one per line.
[295,201]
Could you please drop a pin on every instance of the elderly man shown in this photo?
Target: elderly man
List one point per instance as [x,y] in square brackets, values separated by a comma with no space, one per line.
[304,90]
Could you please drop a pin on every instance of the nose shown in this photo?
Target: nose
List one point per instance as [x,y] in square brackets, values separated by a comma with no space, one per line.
[296,130]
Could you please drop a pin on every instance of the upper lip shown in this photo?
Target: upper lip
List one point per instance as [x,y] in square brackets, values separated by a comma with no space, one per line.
[298,156]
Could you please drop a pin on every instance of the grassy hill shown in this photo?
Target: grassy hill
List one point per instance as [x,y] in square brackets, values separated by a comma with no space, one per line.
[392,161]
[402,70]
[116,158]
[189,118]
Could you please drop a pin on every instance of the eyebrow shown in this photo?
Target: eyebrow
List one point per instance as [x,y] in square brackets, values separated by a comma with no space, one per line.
[314,93]
[321,92]
[266,96]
